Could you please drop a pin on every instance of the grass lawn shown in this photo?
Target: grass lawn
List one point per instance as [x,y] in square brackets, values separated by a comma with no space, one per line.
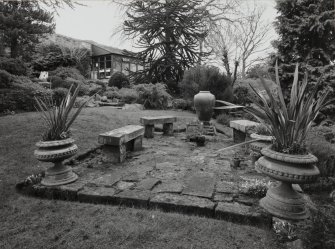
[27,222]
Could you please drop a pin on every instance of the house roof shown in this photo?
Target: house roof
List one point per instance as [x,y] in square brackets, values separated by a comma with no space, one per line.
[100,48]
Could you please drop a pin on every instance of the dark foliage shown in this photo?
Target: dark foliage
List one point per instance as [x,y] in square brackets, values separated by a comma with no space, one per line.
[22,24]
[21,94]
[58,94]
[242,96]
[306,36]
[14,66]
[5,79]
[153,96]
[169,34]
[67,72]
[119,80]
[206,78]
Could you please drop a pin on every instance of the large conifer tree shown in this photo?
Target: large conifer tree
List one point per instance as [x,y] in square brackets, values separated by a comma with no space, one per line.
[168,32]
[22,23]
[306,31]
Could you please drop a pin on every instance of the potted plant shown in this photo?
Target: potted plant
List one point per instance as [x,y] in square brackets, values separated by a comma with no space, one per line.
[57,144]
[236,160]
[287,159]
[254,156]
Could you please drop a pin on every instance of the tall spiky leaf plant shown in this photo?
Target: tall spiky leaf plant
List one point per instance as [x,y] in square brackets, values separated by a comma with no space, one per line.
[59,118]
[289,124]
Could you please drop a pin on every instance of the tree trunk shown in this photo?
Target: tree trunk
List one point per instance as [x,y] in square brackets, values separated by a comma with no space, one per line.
[243,69]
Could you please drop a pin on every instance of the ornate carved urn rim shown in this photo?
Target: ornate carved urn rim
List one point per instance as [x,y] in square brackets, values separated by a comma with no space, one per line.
[289,158]
[46,144]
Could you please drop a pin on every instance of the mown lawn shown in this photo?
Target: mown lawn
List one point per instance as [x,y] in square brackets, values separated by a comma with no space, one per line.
[27,222]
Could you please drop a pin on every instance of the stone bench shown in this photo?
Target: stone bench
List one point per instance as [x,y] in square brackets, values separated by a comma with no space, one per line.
[240,129]
[149,124]
[117,142]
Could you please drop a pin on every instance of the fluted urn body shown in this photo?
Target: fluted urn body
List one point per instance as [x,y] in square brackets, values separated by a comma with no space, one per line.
[56,152]
[204,103]
[283,201]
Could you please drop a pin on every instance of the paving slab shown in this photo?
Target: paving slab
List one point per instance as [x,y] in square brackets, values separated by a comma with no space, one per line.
[122,185]
[223,197]
[200,184]
[107,180]
[147,184]
[185,204]
[169,187]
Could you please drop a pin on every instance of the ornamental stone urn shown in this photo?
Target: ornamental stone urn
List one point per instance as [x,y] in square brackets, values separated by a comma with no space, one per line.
[283,201]
[55,152]
[204,103]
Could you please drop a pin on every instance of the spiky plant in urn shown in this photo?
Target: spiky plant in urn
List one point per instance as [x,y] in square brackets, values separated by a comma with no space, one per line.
[287,159]
[56,144]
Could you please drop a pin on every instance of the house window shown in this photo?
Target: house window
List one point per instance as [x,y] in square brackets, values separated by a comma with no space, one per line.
[117,66]
[132,67]
[125,68]
[139,68]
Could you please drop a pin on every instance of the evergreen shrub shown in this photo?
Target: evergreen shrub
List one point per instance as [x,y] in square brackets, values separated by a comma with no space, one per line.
[153,96]
[206,78]
[119,80]
[59,94]
[14,66]
[67,72]
[242,95]
[5,79]
[128,95]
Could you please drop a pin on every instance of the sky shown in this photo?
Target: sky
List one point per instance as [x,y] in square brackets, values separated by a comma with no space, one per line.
[99,19]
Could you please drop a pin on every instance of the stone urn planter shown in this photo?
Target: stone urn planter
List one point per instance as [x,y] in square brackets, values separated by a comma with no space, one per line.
[283,201]
[204,103]
[56,152]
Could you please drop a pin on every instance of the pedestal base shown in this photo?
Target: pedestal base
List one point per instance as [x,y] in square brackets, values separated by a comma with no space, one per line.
[59,174]
[168,129]
[284,202]
[149,131]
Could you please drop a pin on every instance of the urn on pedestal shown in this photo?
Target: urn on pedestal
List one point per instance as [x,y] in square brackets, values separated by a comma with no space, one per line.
[204,103]
[287,159]
[56,144]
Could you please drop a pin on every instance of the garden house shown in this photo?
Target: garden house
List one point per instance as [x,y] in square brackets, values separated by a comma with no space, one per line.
[105,60]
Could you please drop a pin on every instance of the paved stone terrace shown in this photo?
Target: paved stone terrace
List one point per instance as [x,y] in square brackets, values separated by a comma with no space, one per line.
[168,174]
